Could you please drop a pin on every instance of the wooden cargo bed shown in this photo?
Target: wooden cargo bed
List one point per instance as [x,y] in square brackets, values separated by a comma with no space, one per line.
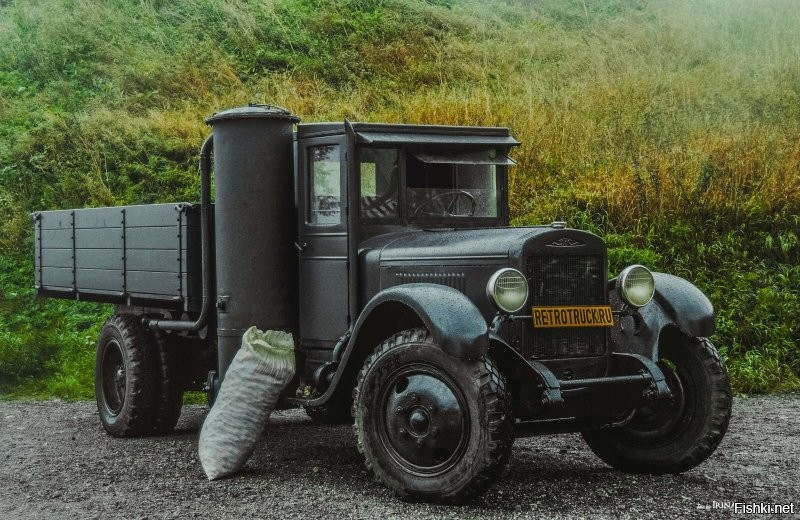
[146,255]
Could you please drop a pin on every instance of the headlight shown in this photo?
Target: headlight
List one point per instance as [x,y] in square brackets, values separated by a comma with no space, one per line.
[507,290]
[636,285]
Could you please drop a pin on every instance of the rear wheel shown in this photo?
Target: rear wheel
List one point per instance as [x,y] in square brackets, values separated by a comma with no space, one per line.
[168,400]
[125,381]
[431,427]
[675,436]
[138,383]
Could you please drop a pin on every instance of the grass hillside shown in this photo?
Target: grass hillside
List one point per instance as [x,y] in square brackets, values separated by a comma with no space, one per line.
[671,128]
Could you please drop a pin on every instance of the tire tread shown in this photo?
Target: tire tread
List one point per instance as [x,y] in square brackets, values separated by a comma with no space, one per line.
[168,399]
[136,417]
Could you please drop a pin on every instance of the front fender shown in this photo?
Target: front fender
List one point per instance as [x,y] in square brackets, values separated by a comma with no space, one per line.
[455,322]
[676,303]
[688,307]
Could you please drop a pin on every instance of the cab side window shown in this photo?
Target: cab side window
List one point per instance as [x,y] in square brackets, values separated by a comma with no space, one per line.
[324,201]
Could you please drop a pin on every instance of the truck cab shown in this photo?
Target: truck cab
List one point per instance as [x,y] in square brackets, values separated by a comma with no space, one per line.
[403,183]
[418,313]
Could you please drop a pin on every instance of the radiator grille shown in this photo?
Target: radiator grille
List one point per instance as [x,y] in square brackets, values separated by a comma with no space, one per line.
[565,280]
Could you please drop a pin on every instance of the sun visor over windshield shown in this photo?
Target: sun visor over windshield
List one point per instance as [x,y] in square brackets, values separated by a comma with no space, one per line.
[479,157]
[392,138]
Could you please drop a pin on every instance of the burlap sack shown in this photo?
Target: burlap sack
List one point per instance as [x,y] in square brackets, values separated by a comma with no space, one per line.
[259,371]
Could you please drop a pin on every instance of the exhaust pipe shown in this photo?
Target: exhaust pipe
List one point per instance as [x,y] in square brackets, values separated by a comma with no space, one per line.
[204,168]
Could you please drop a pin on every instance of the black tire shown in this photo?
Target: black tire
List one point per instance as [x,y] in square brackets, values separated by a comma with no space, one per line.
[431,427]
[168,400]
[125,379]
[679,435]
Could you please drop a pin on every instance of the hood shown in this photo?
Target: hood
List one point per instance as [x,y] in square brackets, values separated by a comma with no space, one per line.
[447,245]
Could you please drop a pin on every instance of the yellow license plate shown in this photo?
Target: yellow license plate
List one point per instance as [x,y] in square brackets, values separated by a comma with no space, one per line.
[578,316]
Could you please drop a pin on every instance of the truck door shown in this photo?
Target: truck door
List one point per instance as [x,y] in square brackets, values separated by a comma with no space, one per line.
[323,244]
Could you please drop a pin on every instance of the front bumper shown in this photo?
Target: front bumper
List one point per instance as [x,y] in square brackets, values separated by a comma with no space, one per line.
[629,381]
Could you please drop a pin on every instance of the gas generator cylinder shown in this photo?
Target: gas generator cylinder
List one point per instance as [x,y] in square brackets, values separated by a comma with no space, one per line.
[254,224]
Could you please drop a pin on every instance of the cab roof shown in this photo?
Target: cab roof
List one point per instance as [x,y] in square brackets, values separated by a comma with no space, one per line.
[396,134]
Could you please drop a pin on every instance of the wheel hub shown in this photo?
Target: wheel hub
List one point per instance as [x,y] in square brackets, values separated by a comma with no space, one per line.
[424,427]
[419,421]
[113,377]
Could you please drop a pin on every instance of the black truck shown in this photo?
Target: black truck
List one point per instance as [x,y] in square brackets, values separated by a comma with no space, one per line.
[419,314]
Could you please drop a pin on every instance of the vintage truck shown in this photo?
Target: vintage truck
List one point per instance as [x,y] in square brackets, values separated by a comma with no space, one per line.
[418,313]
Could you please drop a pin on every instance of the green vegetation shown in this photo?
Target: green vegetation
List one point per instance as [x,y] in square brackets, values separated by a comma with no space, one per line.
[670,127]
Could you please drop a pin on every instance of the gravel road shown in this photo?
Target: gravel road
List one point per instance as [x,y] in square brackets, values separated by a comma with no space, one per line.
[57,462]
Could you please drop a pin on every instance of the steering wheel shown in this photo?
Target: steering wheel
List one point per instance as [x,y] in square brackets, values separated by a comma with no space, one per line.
[454,196]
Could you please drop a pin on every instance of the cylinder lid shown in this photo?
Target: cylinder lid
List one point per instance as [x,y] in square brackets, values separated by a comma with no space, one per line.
[252,111]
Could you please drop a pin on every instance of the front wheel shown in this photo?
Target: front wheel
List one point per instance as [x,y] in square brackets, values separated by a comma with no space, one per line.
[675,436]
[431,427]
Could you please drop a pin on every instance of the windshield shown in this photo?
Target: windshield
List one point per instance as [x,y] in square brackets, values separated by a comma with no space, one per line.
[449,185]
